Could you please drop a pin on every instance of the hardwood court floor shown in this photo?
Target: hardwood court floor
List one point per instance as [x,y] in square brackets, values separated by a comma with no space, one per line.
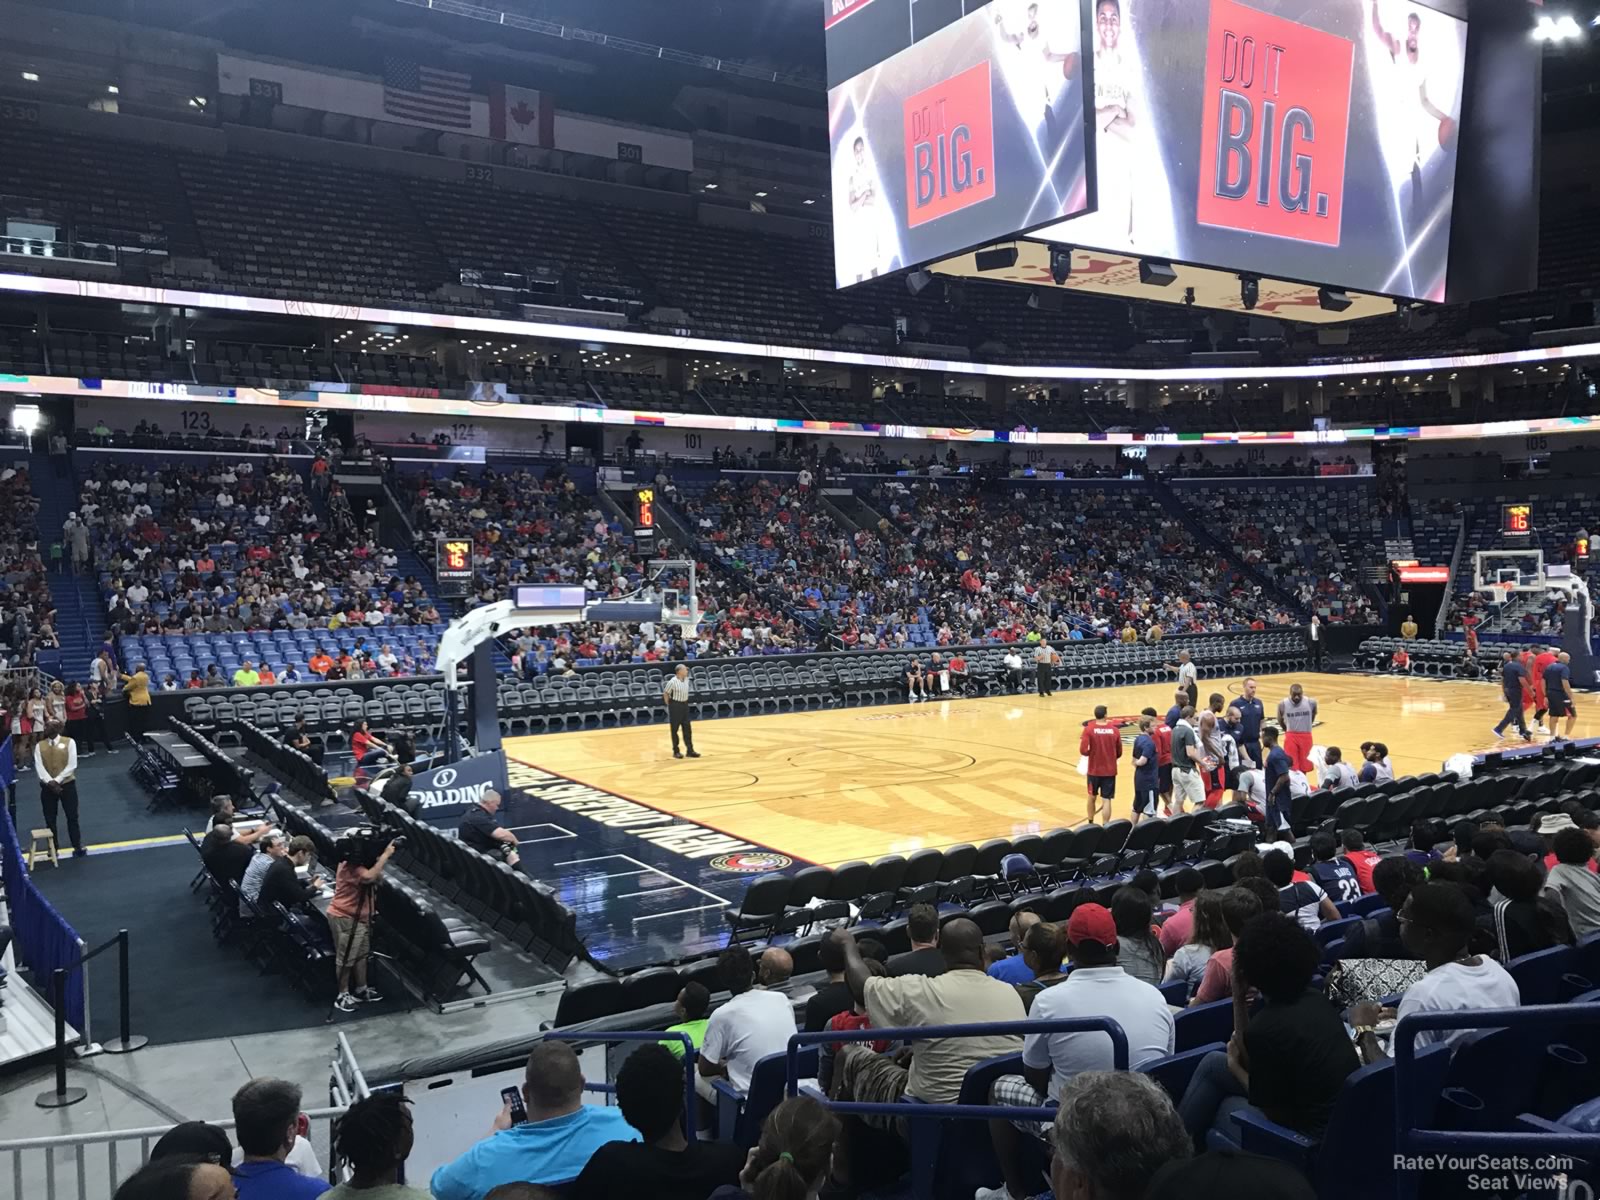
[843,784]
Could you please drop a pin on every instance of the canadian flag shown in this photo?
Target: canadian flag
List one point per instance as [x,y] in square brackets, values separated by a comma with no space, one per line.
[521,115]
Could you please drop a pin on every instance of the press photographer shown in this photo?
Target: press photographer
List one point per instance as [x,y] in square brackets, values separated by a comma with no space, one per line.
[363,853]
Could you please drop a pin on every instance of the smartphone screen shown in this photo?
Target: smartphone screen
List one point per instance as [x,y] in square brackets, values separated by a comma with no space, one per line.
[513,1097]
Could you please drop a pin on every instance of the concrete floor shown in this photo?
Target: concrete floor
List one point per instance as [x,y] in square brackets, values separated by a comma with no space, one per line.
[161,1085]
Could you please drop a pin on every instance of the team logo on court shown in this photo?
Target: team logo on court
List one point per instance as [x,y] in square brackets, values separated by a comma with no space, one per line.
[751,862]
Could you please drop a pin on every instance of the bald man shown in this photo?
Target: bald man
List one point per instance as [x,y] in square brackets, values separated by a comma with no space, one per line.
[1558,693]
[777,965]
[964,993]
[1014,970]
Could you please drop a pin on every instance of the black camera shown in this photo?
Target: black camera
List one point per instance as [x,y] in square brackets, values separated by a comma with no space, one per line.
[362,845]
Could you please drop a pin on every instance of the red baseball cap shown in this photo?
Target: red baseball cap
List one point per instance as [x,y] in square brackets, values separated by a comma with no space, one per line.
[1092,923]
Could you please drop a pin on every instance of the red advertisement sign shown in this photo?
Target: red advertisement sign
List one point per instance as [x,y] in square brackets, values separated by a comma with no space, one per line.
[949,141]
[834,11]
[1275,125]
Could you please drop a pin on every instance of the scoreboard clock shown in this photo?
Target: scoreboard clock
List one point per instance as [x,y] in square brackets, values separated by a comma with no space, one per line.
[644,523]
[452,565]
[1517,520]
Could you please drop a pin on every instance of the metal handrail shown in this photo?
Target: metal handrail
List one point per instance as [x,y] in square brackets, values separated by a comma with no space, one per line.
[78,1144]
[690,1055]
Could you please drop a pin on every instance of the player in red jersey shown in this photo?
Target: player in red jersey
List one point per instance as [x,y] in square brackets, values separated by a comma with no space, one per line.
[1529,698]
[1101,744]
[1470,624]
[1162,732]
[1541,663]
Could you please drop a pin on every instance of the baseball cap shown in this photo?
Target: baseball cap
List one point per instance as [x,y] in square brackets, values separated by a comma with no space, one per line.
[1227,1175]
[195,1140]
[1092,923]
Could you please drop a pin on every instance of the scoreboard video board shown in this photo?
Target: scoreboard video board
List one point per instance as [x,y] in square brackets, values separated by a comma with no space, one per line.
[452,565]
[1296,139]
[644,523]
[952,124]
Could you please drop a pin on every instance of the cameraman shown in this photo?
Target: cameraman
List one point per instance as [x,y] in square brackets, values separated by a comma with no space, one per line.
[350,919]
[482,832]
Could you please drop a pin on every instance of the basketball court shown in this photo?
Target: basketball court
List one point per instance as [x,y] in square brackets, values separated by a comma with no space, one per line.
[858,783]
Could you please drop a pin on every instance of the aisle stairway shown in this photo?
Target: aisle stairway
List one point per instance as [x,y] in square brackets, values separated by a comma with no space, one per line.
[80,614]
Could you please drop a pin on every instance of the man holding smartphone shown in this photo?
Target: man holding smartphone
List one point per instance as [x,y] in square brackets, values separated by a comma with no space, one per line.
[551,1145]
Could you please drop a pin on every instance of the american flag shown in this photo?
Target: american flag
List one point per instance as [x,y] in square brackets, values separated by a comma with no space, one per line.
[419,93]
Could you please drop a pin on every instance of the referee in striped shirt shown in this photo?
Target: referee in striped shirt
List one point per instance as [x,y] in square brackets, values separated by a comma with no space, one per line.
[676,695]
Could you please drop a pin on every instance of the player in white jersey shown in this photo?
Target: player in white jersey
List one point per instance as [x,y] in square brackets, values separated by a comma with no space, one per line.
[865,217]
[1116,78]
[1047,56]
[1430,127]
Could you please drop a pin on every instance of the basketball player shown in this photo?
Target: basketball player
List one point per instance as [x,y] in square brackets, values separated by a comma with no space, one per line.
[1529,698]
[1046,60]
[1180,701]
[1251,713]
[1558,691]
[1431,127]
[1541,664]
[1116,78]
[1512,676]
[1146,771]
[1162,733]
[1217,747]
[1336,773]
[1297,715]
[862,190]
[1101,744]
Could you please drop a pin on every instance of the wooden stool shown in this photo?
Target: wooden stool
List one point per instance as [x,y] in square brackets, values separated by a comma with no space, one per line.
[45,839]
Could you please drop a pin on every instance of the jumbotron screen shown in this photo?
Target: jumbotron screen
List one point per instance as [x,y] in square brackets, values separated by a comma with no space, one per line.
[974,131]
[1301,139]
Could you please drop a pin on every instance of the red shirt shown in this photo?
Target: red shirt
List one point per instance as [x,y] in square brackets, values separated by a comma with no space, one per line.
[1163,736]
[1550,861]
[1363,861]
[1540,662]
[958,664]
[846,1021]
[1102,742]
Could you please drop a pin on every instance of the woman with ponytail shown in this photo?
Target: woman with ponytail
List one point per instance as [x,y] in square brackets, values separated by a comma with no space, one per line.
[793,1157]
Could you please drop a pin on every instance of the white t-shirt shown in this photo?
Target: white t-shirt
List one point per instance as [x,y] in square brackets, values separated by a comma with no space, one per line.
[748,1028]
[1455,987]
[1140,1009]
[1307,899]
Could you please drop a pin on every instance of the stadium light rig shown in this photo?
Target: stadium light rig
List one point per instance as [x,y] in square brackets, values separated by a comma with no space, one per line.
[1060,264]
[1564,28]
